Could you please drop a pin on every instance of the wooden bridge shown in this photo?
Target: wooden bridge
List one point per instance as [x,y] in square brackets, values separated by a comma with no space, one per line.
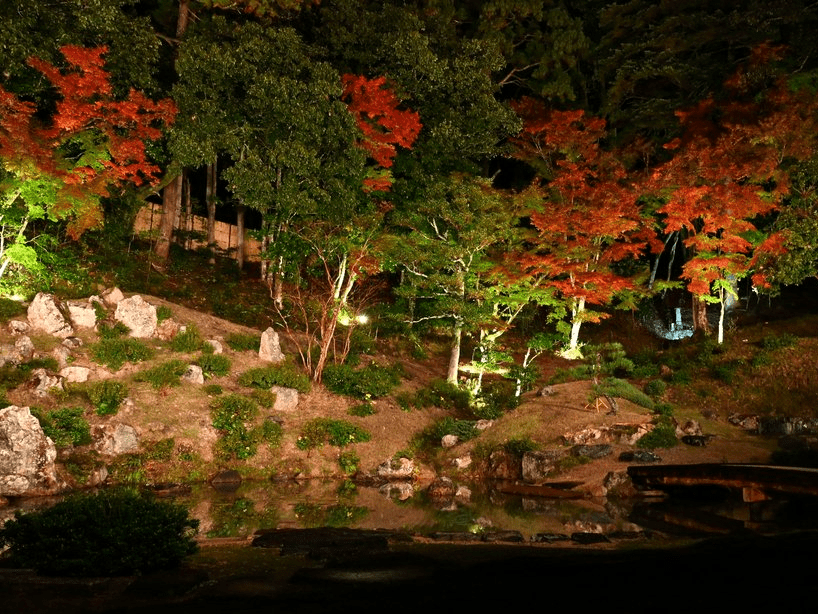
[755,482]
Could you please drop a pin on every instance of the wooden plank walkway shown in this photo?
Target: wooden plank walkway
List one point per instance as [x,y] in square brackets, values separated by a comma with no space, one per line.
[756,482]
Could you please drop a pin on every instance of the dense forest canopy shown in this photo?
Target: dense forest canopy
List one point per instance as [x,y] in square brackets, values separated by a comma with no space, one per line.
[484,158]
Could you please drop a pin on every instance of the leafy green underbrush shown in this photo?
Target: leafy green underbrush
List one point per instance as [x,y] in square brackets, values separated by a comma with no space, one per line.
[115,352]
[188,340]
[163,375]
[663,435]
[241,343]
[339,433]
[285,376]
[622,389]
[214,365]
[115,532]
[439,393]
[66,427]
[106,396]
[371,382]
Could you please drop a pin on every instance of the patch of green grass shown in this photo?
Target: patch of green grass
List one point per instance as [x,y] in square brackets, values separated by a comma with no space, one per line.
[371,382]
[339,433]
[187,341]
[213,389]
[114,353]
[282,375]
[10,309]
[163,312]
[442,394]
[106,396]
[241,343]
[622,389]
[66,427]
[232,415]
[214,365]
[163,375]
[519,446]
[115,330]
[361,410]
[265,398]
[771,343]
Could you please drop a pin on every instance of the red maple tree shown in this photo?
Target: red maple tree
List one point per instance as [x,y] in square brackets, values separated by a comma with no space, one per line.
[725,174]
[585,214]
[91,143]
[384,124]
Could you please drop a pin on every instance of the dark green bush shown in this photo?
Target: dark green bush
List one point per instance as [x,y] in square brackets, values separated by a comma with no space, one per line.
[339,433]
[113,533]
[267,377]
[663,435]
[443,394]
[231,415]
[163,312]
[495,399]
[188,340]
[463,429]
[213,389]
[113,353]
[361,410]
[66,427]
[214,365]
[655,388]
[622,389]
[519,446]
[163,374]
[116,330]
[371,382]
[241,343]
[778,342]
[106,396]
[10,309]
[265,398]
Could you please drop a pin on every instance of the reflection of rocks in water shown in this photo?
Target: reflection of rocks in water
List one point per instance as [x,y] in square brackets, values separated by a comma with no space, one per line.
[397,490]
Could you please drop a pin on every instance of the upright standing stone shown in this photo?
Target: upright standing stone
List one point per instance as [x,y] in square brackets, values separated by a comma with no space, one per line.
[270,347]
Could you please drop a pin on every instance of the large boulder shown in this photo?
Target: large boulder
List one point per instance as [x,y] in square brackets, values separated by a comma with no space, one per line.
[45,314]
[138,315]
[270,347]
[26,456]
[286,398]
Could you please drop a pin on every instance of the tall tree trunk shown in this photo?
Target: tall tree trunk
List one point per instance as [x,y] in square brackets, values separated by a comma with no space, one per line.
[700,315]
[240,236]
[172,194]
[454,354]
[210,198]
[171,203]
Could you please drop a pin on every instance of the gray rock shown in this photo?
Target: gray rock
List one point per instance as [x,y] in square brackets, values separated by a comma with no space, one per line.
[138,315]
[537,465]
[112,296]
[115,439]
[25,347]
[449,441]
[596,451]
[270,347]
[397,469]
[18,327]
[27,456]
[43,382]
[75,374]
[194,375]
[217,346]
[286,398]
[83,316]
[45,314]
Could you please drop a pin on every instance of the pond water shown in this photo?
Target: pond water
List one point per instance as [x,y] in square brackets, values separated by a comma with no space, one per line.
[478,508]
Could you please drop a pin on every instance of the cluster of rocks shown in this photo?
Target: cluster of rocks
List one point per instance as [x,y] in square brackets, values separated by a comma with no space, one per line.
[27,455]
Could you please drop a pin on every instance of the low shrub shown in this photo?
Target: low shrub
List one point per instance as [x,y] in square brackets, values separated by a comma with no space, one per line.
[115,330]
[267,377]
[113,533]
[231,415]
[655,388]
[361,410]
[214,365]
[240,343]
[371,382]
[462,429]
[778,342]
[265,398]
[213,389]
[339,433]
[163,312]
[519,446]
[495,399]
[10,309]
[615,387]
[271,432]
[164,374]
[106,396]
[349,462]
[188,340]
[663,435]
[443,394]
[114,353]
[66,427]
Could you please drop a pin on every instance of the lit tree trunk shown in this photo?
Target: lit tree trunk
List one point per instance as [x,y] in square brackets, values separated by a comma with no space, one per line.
[210,197]
[454,354]
[722,300]
[700,315]
[171,202]
[240,236]
[172,194]
[576,322]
